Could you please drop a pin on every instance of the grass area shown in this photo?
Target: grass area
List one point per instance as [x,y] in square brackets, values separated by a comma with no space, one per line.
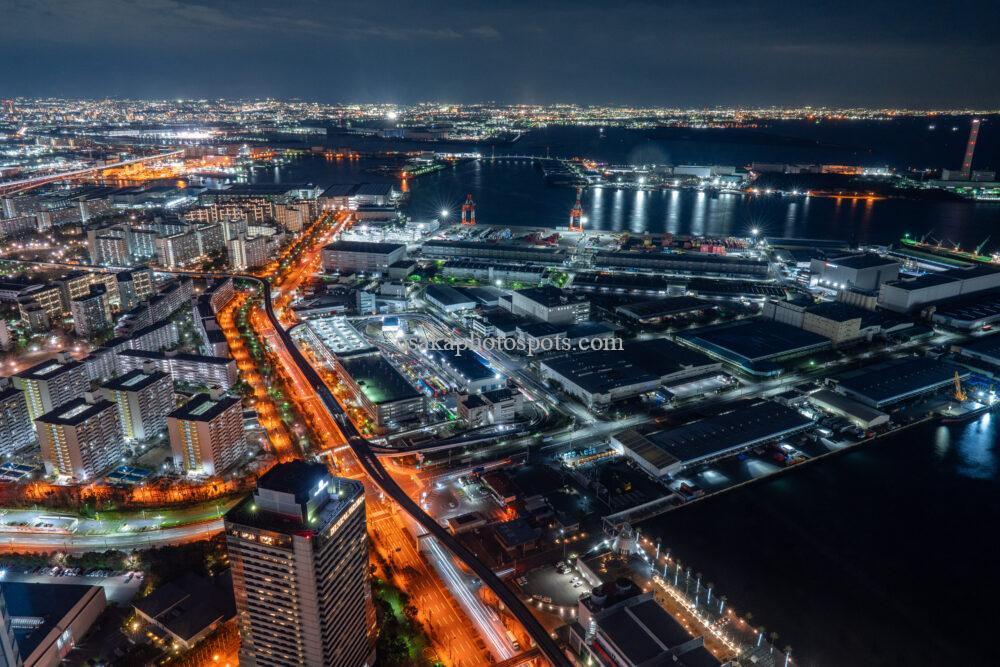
[402,641]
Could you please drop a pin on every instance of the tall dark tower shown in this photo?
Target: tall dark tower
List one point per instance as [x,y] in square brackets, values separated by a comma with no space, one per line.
[970,149]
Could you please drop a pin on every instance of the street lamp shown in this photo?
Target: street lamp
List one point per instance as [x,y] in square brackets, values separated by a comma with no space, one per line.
[444,213]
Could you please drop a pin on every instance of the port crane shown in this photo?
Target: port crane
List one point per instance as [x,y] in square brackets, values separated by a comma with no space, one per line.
[469,211]
[576,213]
[960,394]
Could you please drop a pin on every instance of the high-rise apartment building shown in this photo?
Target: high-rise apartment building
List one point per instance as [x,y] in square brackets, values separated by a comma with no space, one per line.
[299,551]
[91,312]
[144,397]
[52,383]
[16,430]
[206,434]
[10,656]
[82,439]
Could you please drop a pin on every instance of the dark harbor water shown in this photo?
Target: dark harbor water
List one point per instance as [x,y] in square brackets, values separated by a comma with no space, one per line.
[512,193]
[885,555]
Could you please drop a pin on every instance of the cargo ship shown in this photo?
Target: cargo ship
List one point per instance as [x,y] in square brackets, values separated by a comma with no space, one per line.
[953,252]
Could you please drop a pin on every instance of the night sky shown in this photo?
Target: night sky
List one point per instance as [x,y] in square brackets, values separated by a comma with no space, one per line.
[685,54]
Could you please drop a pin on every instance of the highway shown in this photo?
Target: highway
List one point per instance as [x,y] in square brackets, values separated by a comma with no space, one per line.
[11,187]
[373,467]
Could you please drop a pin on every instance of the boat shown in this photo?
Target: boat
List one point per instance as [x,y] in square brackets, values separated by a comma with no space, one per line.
[954,252]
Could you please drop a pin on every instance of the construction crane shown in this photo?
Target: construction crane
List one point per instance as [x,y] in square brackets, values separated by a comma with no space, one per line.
[469,211]
[576,213]
[979,248]
[960,394]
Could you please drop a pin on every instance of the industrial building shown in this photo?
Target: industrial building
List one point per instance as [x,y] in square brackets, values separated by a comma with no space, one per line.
[448,299]
[857,413]
[692,263]
[385,394]
[500,406]
[907,295]
[599,378]
[981,352]
[550,304]
[893,381]
[361,256]
[507,253]
[968,313]
[656,311]
[51,619]
[305,529]
[863,272]
[840,322]
[672,450]
[755,346]
[468,370]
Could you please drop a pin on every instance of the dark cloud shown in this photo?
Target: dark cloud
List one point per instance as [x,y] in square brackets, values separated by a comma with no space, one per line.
[750,52]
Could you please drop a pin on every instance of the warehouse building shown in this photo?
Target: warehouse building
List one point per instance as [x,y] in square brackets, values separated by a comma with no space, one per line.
[857,413]
[864,272]
[893,381]
[658,310]
[670,451]
[903,296]
[448,299]
[550,304]
[840,322]
[361,256]
[693,263]
[982,352]
[969,313]
[599,378]
[755,346]
[491,251]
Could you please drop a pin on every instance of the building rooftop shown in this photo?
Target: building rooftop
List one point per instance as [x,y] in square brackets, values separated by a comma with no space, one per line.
[598,372]
[378,379]
[750,341]
[48,602]
[861,261]
[305,482]
[75,412]
[134,380]
[987,346]
[204,408]
[644,310]
[838,312]
[516,533]
[739,428]
[449,296]
[469,365]
[549,296]
[190,605]
[47,370]
[364,246]
[893,380]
